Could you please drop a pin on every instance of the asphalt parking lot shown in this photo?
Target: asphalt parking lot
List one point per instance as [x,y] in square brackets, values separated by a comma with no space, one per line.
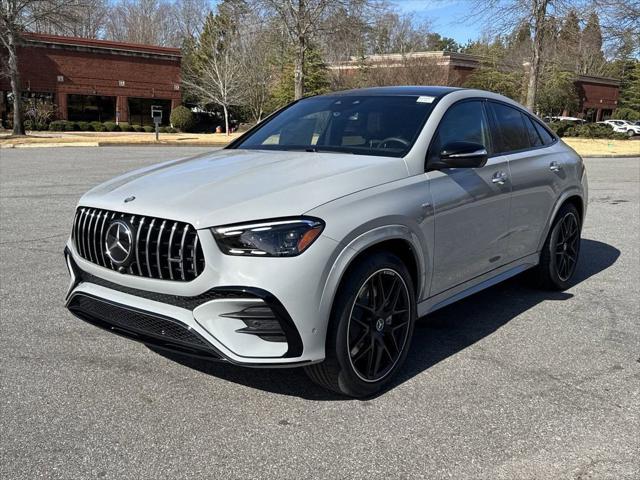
[510,383]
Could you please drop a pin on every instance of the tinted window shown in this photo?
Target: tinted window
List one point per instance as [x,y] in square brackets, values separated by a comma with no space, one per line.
[512,132]
[369,125]
[463,122]
[547,138]
[534,137]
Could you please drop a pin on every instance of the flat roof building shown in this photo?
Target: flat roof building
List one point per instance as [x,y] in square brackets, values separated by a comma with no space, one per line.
[96,80]
[598,96]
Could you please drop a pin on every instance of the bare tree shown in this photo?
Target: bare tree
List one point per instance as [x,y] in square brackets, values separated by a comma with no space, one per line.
[254,52]
[216,76]
[302,20]
[16,17]
[618,17]
[87,21]
[506,15]
[189,17]
[149,22]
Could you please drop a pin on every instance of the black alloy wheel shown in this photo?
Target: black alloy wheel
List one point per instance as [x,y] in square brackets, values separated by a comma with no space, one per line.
[560,252]
[370,328]
[378,325]
[567,246]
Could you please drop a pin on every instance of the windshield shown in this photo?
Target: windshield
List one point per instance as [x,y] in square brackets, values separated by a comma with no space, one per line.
[366,125]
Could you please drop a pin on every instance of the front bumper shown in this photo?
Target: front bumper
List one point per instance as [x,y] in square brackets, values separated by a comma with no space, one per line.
[196,319]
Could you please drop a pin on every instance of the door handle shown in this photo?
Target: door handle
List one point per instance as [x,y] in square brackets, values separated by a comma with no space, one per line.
[499,178]
[554,167]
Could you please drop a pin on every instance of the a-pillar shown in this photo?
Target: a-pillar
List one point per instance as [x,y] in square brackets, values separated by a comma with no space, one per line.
[63,112]
[122,109]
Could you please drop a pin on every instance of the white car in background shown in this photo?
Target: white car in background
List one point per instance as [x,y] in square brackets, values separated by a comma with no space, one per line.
[623,126]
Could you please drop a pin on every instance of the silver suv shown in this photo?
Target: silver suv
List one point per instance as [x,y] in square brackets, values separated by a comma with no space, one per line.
[318,237]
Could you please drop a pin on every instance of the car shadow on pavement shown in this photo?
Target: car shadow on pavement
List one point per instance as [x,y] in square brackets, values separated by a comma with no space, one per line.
[437,336]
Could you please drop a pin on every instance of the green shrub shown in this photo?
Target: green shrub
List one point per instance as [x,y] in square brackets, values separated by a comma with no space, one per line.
[111,127]
[138,128]
[149,129]
[70,126]
[57,126]
[125,127]
[85,126]
[171,130]
[593,130]
[182,118]
[162,130]
[98,126]
[626,113]
[560,128]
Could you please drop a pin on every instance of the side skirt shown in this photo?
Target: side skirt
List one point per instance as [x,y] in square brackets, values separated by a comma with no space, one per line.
[477,284]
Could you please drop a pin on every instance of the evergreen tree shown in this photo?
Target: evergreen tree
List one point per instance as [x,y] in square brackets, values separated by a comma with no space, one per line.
[569,38]
[592,61]
[315,73]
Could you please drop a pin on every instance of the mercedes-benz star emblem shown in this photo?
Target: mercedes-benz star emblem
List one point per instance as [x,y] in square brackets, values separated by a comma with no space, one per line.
[118,242]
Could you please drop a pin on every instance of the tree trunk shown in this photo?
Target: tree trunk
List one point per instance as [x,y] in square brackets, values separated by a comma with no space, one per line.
[539,17]
[299,69]
[14,76]
[226,120]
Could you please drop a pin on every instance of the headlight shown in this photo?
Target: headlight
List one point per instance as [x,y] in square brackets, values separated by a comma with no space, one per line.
[278,238]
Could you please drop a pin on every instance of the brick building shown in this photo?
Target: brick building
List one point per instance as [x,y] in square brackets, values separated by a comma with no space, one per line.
[598,96]
[96,79]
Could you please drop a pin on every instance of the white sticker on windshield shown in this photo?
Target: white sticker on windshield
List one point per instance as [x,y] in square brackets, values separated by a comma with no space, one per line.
[425,99]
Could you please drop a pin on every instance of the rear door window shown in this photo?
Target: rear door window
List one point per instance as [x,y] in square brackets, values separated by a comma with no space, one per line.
[547,138]
[512,133]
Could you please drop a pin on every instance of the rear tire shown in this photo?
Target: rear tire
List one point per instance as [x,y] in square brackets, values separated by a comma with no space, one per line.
[561,251]
[370,328]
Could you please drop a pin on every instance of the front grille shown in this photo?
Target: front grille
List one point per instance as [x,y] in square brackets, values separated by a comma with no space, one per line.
[139,325]
[163,249]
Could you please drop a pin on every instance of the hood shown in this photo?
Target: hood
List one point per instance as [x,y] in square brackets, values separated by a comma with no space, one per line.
[230,186]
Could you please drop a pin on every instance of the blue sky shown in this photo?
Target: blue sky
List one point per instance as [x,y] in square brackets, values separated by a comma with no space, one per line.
[444,16]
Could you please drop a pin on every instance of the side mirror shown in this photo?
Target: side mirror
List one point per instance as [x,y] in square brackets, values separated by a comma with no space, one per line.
[461,155]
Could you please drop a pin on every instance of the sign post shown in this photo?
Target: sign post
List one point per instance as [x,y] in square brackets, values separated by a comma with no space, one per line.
[156,115]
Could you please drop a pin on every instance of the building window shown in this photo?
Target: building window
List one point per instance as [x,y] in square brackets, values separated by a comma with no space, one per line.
[140,110]
[90,108]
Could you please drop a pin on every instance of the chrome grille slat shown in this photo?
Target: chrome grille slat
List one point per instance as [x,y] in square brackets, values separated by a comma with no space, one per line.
[147,247]
[158,245]
[85,236]
[195,255]
[101,239]
[140,224]
[184,237]
[169,263]
[113,215]
[89,231]
[95,239]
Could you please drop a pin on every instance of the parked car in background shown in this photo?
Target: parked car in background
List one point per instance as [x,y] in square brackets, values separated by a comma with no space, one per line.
[573,120]
[317,238]
[623,126]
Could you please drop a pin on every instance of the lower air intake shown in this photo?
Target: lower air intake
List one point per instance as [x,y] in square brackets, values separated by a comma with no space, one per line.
[138,325]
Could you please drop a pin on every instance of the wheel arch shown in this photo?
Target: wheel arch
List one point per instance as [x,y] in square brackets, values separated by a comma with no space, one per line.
[573,197]
[397,239]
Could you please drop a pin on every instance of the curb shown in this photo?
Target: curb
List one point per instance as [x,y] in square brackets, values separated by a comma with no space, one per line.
[160,144]
[613,155]
[109,144]
[49,145]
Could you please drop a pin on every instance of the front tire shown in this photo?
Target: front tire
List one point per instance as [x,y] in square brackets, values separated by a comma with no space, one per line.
[561,250]
[370,328]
